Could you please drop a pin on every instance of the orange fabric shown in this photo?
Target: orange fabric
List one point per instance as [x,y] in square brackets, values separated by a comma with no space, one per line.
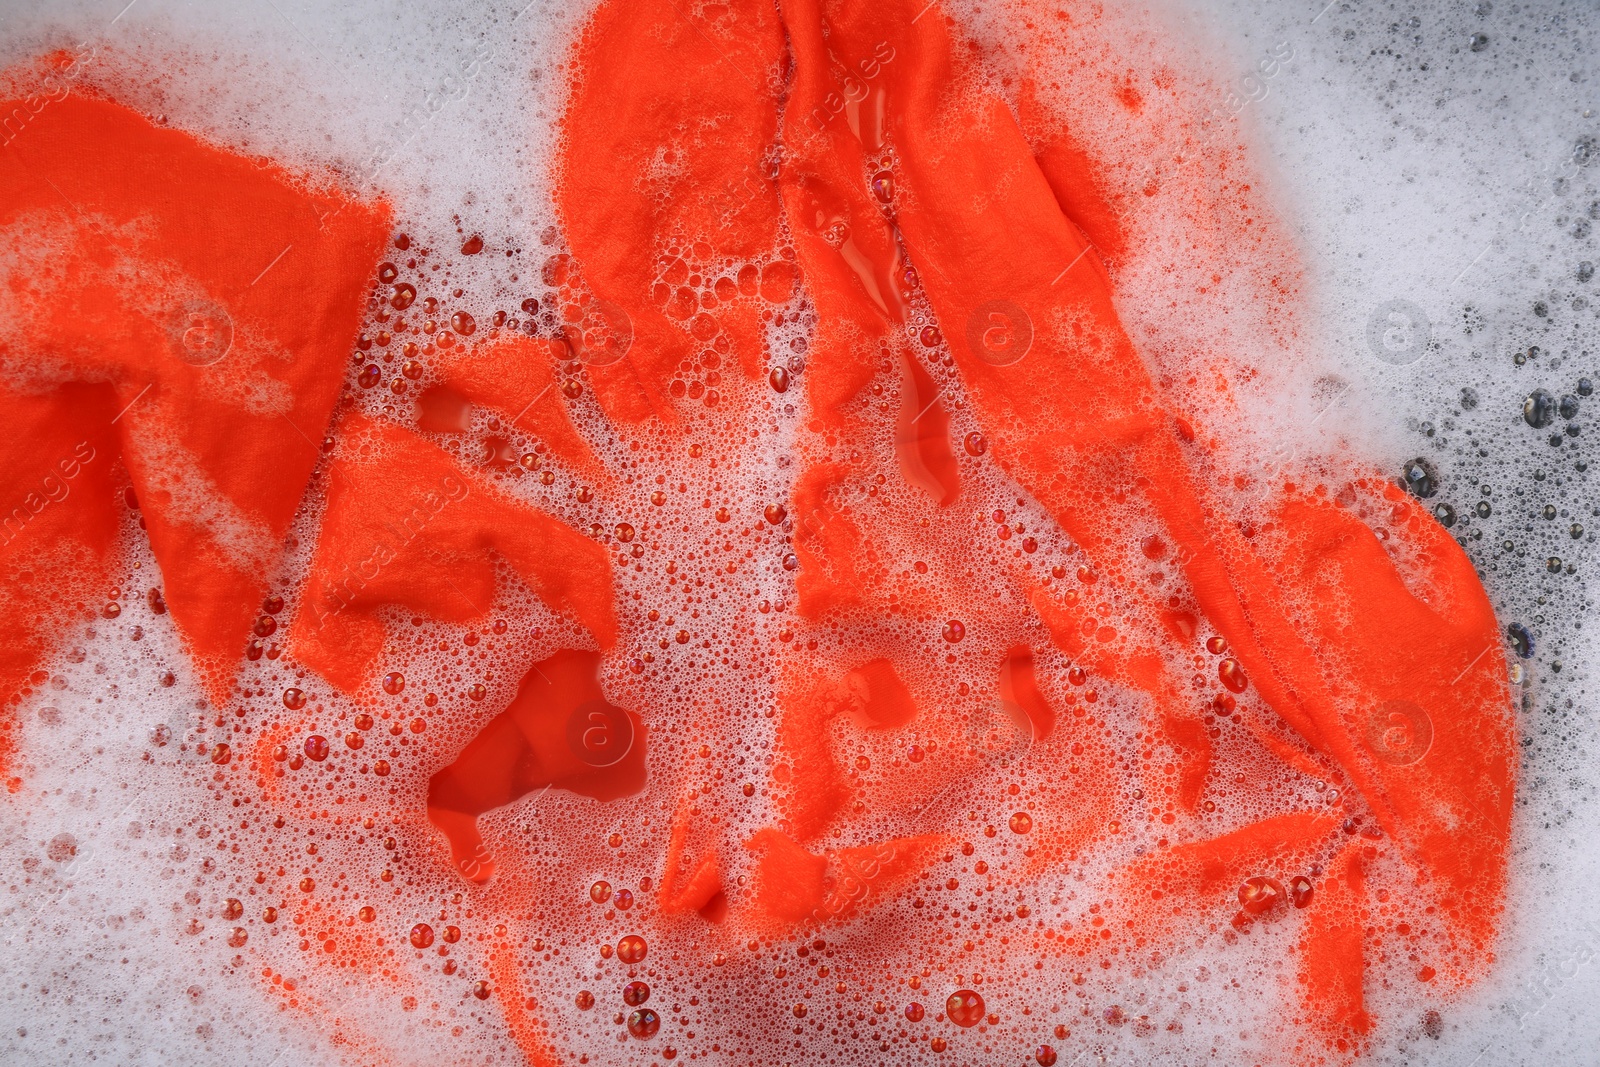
[685,890]
[1322,627]
[1331,956]
[210,398]
[406,524]
[532,1037]
[812,785]
[526,747]
[797,888]
[516,377]
[59,529]
[712,185]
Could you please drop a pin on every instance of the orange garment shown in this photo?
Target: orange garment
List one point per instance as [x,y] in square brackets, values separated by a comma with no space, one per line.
[179,318]
[1319,620]
[406,525]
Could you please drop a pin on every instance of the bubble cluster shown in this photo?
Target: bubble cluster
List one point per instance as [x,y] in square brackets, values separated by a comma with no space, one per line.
[271,860]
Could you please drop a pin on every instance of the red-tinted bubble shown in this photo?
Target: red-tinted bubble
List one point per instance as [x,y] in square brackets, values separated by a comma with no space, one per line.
[643,1023]
[632,949]
[294,699]
[600,892]
[1260,894]
[1232,675]
[452,934]
[975,444]
[1021,822]
[623,900]
[317,747]
[421,935]
[954,631]
[584,1000]
[914,1012]
[775,514]
[635,994]
[1045,1056]
[394,682]
[463,323]
[1300,891]
[480,989]
[964,1008]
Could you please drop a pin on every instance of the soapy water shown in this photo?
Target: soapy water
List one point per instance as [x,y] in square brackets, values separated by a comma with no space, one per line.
[1428,172]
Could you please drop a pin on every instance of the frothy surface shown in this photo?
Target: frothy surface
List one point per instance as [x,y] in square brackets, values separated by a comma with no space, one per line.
[463,181]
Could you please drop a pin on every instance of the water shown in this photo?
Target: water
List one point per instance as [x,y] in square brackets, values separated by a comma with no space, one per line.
[1433,166]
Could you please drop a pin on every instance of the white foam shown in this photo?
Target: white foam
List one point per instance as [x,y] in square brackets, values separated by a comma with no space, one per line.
[1431,187]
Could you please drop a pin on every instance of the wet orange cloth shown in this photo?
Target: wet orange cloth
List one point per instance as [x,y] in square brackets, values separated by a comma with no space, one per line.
[1340,642]
[406,525]
[179,317]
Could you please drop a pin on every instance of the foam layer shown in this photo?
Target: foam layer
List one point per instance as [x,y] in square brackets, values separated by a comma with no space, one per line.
[129,844]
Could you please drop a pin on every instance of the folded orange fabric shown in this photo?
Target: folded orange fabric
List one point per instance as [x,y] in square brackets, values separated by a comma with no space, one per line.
[861,141]
[181,320]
